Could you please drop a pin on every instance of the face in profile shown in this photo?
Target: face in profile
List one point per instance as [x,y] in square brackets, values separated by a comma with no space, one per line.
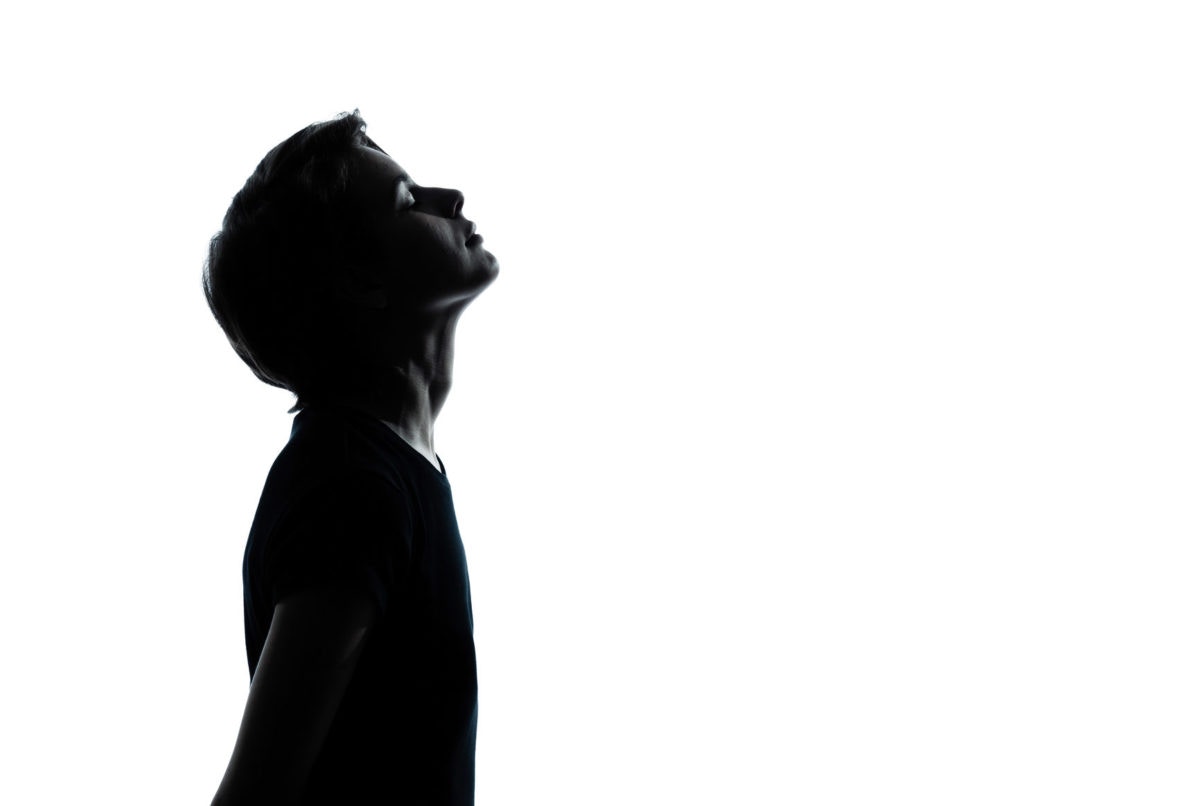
[429,257]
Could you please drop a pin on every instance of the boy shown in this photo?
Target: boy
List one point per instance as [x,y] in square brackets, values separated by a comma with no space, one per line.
[336,277]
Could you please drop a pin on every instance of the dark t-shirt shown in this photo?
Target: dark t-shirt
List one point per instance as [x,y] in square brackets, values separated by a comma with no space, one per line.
[347,499]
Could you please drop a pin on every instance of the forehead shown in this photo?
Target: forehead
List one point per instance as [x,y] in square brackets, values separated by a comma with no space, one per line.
[377,173]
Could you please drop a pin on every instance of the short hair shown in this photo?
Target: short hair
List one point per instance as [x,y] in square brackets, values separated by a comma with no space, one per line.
[288,231]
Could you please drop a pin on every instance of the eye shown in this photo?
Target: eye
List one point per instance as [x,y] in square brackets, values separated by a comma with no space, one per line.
[405,199]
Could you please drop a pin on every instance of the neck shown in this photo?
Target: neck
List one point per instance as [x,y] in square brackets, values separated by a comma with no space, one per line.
[409,393]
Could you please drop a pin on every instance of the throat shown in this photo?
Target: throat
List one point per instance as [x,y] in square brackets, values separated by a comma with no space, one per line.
[419,446]
[431,457]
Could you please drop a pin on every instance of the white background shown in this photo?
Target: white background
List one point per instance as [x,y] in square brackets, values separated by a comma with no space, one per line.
[830,436]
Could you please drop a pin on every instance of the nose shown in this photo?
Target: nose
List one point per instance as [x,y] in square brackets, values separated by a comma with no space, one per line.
[446,201]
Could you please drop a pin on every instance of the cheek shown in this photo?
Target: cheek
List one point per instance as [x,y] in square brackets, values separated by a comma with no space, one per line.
[434,243]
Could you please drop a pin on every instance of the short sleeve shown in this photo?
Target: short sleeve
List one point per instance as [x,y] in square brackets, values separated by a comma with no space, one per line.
[355,529]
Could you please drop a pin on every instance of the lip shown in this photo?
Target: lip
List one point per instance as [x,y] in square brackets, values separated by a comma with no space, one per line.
[472,237]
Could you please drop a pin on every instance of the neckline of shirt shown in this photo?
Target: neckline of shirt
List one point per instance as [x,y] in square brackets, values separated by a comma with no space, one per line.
[362,417]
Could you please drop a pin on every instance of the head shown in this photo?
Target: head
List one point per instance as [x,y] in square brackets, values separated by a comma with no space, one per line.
[330,257]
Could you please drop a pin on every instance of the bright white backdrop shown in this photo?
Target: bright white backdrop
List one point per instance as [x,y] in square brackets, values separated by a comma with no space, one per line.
[830,436]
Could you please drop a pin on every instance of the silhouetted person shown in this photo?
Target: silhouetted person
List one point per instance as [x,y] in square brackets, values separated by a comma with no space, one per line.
[336,277]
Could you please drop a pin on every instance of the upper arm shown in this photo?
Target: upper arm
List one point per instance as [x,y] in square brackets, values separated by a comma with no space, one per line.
[311,650]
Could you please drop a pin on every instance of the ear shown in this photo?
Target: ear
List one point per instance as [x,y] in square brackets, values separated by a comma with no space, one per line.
[372,298]
[359,292]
